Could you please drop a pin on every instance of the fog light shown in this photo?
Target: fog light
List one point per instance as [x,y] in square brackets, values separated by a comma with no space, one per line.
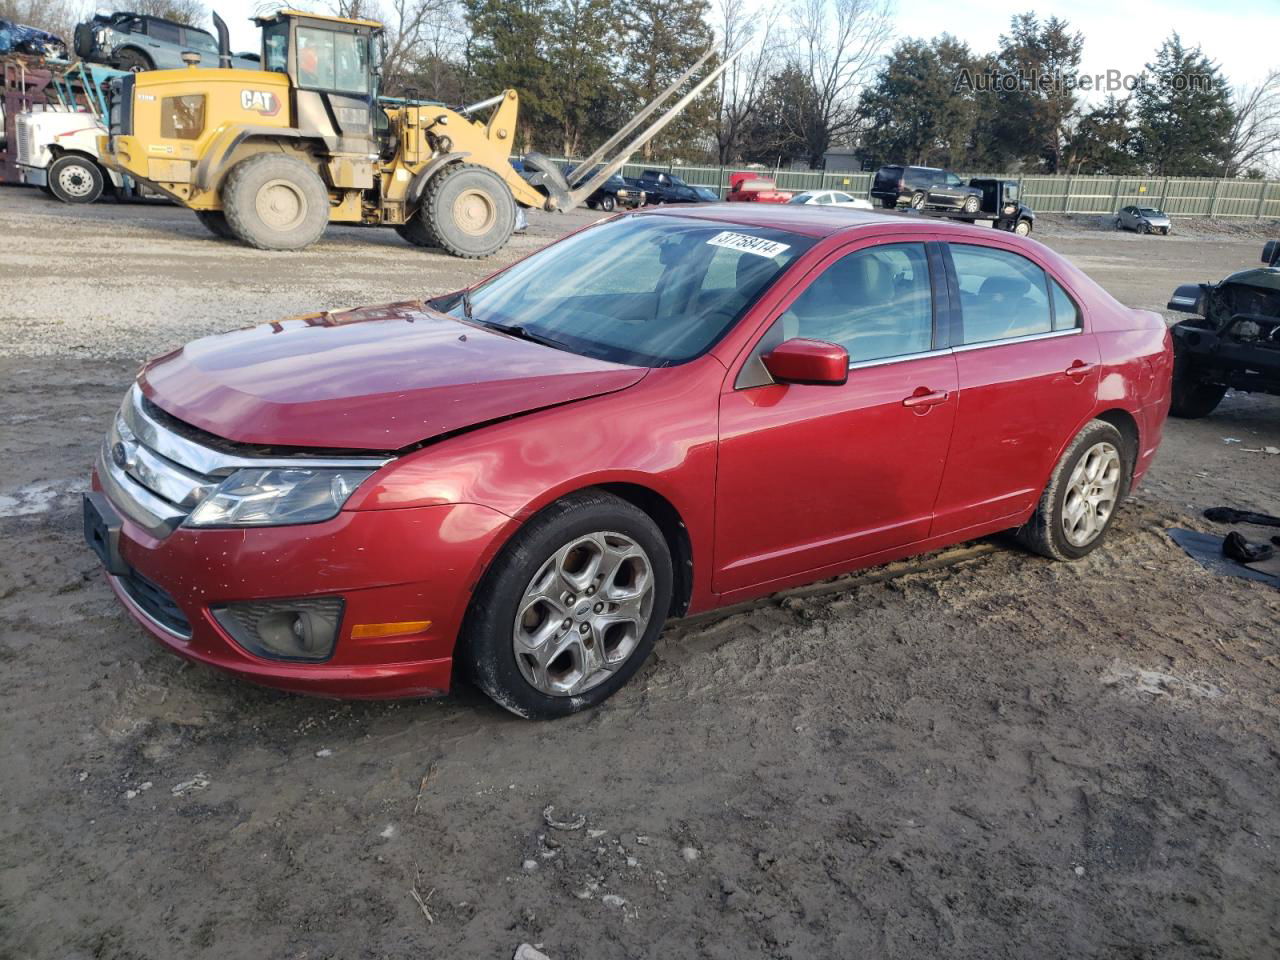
[305,629]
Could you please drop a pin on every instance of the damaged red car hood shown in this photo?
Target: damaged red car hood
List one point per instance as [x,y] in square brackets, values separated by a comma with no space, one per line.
[375,378]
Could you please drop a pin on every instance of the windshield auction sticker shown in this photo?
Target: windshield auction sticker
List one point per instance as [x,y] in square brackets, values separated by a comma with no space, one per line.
[747,244]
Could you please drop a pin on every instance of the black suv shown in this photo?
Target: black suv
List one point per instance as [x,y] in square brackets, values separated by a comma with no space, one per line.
[1234,341]
[924,186]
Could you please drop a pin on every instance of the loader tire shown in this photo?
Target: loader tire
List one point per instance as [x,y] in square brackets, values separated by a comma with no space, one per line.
[215,221]
[469,211]
[275,202]
[415,231]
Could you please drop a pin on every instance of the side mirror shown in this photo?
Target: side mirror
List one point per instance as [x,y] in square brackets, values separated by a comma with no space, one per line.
[1188,298]
[808,361]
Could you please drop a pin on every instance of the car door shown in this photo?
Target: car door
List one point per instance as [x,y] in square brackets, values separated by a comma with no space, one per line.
[813,476]
[1028,378]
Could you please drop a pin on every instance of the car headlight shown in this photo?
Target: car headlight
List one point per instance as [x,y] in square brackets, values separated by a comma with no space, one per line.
[272,496]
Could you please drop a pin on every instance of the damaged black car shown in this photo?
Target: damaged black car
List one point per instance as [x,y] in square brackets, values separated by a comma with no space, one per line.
[1232,342]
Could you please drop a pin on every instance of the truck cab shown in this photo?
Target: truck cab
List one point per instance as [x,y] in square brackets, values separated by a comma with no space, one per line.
[58,151]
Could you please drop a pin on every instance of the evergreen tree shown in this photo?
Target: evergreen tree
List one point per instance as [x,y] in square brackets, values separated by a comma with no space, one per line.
[579,55]
[914,111]
[508,50]
[1035,115]
[665,38]
[1184,114]
[1102,142]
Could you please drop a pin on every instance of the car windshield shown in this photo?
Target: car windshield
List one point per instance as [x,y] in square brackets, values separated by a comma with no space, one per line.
[647,290]
[800,198]
[1150,212]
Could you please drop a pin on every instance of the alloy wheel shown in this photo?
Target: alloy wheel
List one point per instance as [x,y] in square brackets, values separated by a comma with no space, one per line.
[583,613]
[1092,491]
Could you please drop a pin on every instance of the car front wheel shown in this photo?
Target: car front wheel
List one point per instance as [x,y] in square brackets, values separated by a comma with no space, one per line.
[571,608]
[917,200]
[607,203]
[1077,507]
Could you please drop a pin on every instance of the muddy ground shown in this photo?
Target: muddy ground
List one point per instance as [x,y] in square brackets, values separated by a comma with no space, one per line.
[978,754]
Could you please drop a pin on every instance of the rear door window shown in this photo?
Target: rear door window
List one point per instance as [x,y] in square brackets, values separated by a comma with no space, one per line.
[877,303]
[165,32]
[1002,294]
[1066,315]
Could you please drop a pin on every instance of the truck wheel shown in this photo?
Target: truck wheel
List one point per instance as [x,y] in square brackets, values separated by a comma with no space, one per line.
[275,202]
[888,204]
[1193,397]
[469,211]
[970,205]
[215,221]
[134,61]
[1022,227]
[607,203]
[917,200]
[74,179]
[415,231]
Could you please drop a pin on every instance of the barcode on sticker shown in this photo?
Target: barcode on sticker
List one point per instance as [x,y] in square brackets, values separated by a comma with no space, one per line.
[748,244]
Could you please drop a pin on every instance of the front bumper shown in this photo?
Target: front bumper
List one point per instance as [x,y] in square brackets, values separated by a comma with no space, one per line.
[387,565]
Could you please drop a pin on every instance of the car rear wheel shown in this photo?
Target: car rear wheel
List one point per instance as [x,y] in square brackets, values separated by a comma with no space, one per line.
[1193,397]
[970,205]
[917,200]
[571,607]
[1089,482]
[75,179]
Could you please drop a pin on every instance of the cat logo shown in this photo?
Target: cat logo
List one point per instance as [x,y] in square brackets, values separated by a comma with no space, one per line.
[263,101]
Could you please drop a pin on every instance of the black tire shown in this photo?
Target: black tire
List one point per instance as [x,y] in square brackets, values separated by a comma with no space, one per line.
[76,179]
[303,211]
[215,221]
[608,203]
[479,192]
[415,231]
[487,651]
[970,205]
[135,61]
[591,204]
[917,200]
[1023,227]
[1193,397]
[1043,533]
[888,203]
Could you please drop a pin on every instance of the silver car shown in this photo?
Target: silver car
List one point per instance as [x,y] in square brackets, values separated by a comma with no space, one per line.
[1143,219]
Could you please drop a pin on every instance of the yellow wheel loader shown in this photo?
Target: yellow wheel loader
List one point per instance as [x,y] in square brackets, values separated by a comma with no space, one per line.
[272,156]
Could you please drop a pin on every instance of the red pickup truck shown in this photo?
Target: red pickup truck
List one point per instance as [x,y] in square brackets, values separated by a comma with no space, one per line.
[753,188]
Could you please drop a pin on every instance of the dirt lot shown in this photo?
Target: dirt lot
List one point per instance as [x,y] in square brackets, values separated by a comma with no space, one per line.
[978,754]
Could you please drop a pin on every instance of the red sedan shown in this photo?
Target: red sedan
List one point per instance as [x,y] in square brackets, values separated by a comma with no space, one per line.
[661,414]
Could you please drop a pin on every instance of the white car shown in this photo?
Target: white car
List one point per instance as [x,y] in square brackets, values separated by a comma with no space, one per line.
[827,198]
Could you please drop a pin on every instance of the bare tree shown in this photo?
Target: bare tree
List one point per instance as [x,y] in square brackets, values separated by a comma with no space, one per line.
[406,25]
[834,45]
[742,85]
[1255,135]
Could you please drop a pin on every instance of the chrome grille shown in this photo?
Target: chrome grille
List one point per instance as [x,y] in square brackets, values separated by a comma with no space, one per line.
[25,153]
[156,475]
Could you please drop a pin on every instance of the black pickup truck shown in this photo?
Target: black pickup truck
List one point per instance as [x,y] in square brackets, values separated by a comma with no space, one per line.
[1233,341]
[658,186]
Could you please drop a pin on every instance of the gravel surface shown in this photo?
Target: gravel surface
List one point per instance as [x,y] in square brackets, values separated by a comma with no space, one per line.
[974,754]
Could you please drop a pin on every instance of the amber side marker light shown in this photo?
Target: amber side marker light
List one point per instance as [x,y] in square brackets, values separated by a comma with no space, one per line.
[372,631]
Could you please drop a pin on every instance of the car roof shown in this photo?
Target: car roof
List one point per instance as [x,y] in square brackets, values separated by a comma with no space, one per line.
[815,222]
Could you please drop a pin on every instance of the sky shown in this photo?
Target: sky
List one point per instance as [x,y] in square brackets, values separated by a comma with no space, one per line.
[1119,34]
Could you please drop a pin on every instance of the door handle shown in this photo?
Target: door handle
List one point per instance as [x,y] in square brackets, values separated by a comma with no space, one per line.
[924,397]
[1078,369]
